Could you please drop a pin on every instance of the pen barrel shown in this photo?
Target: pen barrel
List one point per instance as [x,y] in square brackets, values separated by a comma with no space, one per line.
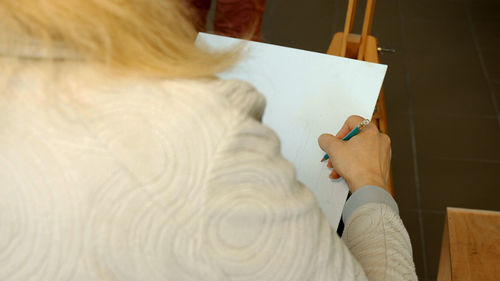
[351,134]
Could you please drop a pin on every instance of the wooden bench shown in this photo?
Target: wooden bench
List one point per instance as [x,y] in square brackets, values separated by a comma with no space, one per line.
[471,246]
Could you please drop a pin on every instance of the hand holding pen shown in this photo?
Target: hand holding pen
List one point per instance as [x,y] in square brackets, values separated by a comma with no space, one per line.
[362,160]
[351,134]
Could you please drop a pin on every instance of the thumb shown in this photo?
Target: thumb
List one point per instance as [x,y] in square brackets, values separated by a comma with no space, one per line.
[329,143]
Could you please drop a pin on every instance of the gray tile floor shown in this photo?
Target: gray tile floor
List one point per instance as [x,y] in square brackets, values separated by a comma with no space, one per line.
[443,100]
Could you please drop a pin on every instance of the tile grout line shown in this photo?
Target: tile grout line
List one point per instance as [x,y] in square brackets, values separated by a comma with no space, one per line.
[461,159]
[472,30]
[413,140]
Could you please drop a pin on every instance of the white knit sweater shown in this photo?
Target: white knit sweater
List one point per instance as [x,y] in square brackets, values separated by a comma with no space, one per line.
[140,179]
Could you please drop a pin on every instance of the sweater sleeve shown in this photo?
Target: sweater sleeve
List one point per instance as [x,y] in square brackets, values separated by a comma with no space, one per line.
[378,239]
[263,224]
[368,194]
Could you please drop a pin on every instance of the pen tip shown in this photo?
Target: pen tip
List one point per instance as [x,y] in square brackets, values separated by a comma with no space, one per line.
[322,159]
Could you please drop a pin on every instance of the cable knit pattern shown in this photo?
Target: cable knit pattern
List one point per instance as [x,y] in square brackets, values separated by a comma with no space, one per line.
[143,179]
[376,236]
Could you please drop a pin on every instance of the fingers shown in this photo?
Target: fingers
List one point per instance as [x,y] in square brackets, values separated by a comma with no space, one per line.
[334,175]
[329,144]
[324,141]
[386,139]
[349,125]
[332,144]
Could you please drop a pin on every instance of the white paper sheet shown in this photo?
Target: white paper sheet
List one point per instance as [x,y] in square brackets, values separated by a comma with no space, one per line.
[307,94]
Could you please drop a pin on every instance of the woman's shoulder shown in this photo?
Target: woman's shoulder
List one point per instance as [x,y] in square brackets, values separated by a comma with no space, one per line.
[234,91]
[241,96]
[225,95]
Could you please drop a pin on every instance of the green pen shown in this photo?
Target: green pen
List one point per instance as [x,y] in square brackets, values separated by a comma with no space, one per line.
[351,134]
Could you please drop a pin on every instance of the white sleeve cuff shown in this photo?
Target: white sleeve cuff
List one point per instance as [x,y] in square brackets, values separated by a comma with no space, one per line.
[368,194]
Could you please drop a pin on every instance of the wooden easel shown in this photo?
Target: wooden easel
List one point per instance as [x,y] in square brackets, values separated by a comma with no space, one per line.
[362,47]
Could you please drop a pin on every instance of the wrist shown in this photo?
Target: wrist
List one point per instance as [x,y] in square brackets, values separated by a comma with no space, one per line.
[356,184]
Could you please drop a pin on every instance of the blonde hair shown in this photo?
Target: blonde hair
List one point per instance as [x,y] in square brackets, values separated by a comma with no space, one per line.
[149,36]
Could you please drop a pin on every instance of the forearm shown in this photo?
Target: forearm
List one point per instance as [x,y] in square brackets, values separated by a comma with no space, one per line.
[376,235]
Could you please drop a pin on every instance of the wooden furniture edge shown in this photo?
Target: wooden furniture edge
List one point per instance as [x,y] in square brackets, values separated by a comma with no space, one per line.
[444,269]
